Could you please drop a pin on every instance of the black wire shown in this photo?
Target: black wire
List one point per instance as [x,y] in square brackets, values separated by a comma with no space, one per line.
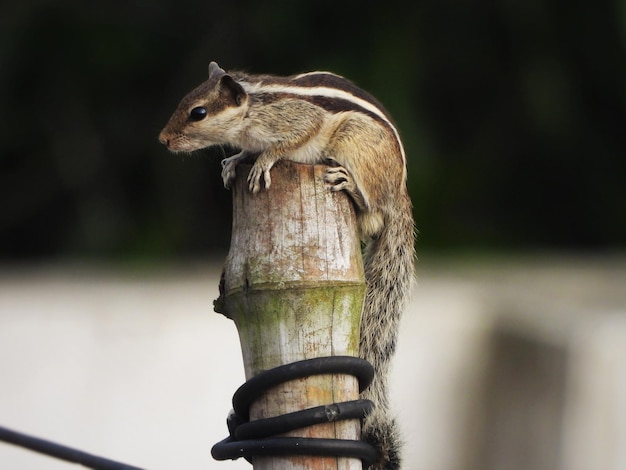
[260,383]
[61,452]
[288,446]
[356,409]
[249,439]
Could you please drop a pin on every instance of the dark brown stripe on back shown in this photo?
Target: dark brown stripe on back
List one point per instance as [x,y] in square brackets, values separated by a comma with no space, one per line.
[317,79]
[331,104]
[329,80]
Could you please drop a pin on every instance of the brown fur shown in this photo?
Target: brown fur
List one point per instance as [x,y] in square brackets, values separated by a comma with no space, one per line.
[323,118]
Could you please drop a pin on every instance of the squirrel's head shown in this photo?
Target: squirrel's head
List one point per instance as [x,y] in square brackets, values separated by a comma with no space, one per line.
[208,115]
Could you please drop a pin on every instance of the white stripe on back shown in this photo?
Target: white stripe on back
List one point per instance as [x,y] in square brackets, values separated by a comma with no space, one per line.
[327,92]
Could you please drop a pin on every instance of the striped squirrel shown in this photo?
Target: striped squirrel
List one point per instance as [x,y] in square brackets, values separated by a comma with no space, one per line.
[319,117]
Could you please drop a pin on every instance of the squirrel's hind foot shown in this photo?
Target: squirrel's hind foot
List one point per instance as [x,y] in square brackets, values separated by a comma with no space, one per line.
[339,179]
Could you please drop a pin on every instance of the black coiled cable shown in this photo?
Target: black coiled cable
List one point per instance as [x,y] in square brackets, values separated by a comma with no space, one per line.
[251,439]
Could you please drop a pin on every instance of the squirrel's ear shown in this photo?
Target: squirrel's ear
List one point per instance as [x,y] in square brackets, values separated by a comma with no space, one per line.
[215,69]
[233,89]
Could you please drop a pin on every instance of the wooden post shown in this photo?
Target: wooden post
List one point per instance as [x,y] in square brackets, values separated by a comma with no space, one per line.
[294,285]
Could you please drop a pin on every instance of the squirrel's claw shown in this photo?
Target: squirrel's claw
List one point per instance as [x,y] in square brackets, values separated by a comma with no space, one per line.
[339,179]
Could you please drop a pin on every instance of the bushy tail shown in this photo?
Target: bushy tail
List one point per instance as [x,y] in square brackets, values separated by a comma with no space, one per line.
[389,272]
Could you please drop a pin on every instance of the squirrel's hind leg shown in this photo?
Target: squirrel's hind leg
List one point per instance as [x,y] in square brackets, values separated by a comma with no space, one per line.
[339,179]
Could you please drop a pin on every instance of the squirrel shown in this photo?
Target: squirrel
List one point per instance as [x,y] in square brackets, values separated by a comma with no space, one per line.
[322,118]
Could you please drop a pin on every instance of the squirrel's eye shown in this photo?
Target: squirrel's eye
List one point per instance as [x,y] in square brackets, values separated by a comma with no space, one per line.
[197,114]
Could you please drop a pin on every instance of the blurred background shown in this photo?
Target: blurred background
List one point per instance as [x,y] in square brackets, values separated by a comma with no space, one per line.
[513,118]
[512,113]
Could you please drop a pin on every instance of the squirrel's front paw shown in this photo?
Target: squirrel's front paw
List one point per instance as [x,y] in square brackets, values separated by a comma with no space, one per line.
[229,167]
[259,172]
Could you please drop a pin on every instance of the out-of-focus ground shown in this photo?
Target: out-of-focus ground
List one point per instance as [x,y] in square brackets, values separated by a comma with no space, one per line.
[507,364]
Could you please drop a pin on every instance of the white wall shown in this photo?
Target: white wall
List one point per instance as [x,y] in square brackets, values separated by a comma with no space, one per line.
[138,368]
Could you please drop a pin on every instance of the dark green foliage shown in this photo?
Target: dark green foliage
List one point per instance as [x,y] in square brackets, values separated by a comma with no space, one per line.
[513,115]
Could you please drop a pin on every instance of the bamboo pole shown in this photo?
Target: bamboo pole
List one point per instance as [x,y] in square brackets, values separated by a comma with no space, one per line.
[294,285]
